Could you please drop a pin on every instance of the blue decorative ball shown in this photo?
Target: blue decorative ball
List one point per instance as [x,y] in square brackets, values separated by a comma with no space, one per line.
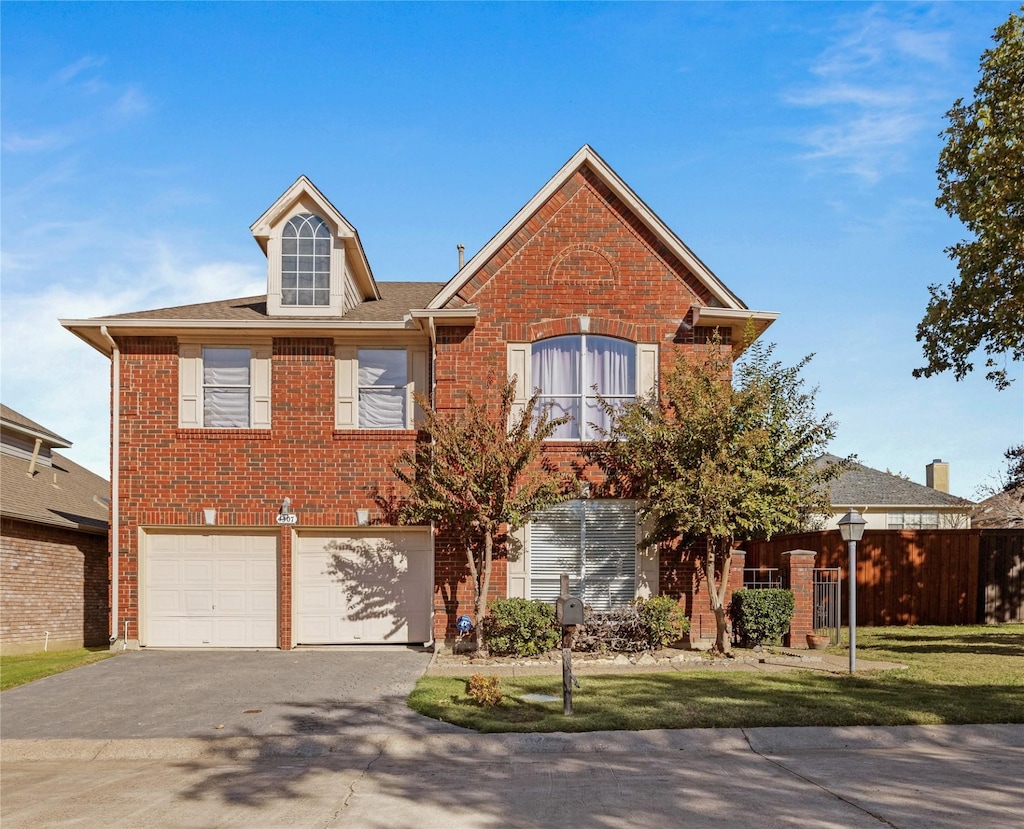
[464,624]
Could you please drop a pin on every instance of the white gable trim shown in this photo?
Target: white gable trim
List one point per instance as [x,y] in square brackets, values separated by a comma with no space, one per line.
[586,156]
[303,190]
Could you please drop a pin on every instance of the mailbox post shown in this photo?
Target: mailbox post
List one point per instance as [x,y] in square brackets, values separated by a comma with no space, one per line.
[569,613]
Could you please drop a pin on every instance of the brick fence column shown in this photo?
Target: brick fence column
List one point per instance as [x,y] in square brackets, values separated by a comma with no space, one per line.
[284,590]
[799,565]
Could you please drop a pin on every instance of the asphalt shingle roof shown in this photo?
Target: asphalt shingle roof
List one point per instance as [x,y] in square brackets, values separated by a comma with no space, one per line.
[397,298]
[18,419]
[862,485]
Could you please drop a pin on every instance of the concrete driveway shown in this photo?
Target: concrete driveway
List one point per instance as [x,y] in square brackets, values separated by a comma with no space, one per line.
[176,694]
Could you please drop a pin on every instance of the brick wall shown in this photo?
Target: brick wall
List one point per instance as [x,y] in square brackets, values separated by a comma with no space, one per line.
[581,255]
[53,580]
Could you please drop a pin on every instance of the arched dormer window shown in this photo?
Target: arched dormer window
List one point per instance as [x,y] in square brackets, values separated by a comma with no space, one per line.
[305,261]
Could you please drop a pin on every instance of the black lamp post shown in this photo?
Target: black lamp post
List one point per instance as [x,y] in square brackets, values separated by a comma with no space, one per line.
[851,528]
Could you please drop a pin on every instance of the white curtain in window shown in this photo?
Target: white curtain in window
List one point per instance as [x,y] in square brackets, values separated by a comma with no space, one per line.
[555,369]
[383,375]
[226,388]
[611,367]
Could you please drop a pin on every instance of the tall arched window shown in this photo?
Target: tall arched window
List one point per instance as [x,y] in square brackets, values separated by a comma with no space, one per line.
[305,261]
[572,371]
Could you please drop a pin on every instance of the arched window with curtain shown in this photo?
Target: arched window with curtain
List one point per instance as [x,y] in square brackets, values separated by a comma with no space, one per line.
[305,261]
[572,371]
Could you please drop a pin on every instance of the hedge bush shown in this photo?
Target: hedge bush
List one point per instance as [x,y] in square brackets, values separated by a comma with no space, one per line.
[761,616]
[521,627]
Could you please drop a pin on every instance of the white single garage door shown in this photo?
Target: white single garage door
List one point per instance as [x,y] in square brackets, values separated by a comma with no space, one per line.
[363,586]
[217,591]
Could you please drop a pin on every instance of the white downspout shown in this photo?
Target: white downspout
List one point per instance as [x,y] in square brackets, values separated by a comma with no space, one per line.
[115,488]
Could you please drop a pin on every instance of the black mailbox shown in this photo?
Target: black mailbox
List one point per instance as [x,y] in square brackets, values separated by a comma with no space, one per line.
[569,611]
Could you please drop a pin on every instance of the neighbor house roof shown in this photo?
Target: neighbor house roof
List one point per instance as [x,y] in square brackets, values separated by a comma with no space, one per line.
[58,492]
[18,422]
[862,486]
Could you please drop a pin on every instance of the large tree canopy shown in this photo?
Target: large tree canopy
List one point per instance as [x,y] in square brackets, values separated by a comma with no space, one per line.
[714,463]
[981,181]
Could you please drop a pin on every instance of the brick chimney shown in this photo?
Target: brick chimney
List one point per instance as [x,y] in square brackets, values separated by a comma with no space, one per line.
[936,475]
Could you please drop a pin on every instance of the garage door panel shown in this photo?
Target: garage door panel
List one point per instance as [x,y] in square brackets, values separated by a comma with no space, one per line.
[232,572]
[197,601]
[210,590]
[366,587]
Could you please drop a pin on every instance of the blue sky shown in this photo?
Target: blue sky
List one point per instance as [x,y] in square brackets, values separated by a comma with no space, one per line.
[791,146]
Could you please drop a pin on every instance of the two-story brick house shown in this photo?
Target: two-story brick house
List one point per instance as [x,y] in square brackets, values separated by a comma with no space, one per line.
[250,435]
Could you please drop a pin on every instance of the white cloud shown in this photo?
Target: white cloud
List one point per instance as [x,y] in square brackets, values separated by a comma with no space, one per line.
[59,381]
[873,92]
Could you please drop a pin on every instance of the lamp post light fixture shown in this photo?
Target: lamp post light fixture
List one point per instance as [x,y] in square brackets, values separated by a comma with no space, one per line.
[851,528]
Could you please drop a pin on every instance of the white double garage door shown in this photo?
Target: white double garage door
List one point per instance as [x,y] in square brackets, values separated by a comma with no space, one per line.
[221,590]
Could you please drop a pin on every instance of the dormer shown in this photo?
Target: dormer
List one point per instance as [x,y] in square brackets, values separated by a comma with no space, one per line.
[316,266]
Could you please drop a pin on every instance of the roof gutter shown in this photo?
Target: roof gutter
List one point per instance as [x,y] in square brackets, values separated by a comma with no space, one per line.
[115,482]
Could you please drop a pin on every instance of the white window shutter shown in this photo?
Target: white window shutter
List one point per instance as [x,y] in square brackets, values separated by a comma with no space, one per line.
[647,369]
[419,374]
[518,570]
[519,367]
[346,387]
[190,386]
[260,368]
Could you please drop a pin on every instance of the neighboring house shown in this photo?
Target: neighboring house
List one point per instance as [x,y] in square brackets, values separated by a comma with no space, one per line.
[250,436]
[54,591]
[1000,511]
[891,502]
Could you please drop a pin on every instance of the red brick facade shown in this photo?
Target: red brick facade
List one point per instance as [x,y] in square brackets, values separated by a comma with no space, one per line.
[583,261]
[54,581]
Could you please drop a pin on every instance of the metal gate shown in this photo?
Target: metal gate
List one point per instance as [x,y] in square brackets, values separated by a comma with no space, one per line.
[827,606]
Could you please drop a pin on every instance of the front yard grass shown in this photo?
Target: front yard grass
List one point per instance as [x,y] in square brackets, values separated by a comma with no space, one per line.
[954,675]
[18,669]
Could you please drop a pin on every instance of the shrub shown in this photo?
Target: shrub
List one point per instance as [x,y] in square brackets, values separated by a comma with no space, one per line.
[662,619]
[521,627]
[644,624]
[761,616]
[484,690]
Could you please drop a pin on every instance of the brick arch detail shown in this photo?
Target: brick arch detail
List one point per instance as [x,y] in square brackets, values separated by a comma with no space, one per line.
[605,326]
[583,266]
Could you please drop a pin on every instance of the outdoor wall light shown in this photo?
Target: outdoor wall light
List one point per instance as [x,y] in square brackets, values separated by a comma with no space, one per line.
[286,507]
[851,528]
[362,517]
[210,516]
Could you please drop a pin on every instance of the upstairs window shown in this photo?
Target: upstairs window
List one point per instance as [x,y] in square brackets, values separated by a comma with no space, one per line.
[305,261]
[226,388]
[572,371]
[383,384]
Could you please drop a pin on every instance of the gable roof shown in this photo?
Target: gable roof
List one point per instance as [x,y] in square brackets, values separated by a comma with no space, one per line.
[862,486]
[727,309]
[304,189]
[60,493]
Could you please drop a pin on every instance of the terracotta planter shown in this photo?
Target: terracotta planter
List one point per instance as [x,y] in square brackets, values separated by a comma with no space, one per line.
[818,641]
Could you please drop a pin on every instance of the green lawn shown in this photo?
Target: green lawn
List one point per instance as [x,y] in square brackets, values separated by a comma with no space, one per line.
[953,675]
[22,668]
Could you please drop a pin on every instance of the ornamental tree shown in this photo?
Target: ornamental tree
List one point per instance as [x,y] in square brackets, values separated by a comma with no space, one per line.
[714,462]
[981,182]
[478,474]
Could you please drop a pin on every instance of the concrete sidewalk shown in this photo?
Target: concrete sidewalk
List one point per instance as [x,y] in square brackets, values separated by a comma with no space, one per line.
[906,777]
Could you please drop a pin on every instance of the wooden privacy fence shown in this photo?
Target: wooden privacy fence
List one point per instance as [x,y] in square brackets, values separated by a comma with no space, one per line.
[904,577]
[1001,576]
